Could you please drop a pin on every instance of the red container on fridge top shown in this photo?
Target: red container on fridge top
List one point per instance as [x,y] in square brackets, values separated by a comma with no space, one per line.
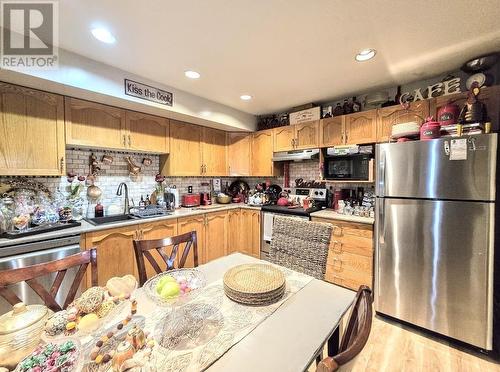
[430,129]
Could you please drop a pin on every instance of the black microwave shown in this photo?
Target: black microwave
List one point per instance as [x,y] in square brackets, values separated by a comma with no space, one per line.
[352,167]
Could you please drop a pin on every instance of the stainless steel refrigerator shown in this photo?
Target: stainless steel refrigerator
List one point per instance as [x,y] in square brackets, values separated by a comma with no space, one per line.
[435,235]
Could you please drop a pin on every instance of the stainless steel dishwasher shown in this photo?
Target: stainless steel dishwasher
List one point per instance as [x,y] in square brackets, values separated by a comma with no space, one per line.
[22,255]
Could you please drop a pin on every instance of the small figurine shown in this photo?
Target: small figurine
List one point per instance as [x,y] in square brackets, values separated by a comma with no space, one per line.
[474,111]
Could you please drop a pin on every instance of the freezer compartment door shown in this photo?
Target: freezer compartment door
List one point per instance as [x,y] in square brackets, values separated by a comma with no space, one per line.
[445,168]
[434,266]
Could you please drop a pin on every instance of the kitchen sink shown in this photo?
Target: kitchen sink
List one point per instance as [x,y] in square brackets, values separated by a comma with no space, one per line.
[110,219]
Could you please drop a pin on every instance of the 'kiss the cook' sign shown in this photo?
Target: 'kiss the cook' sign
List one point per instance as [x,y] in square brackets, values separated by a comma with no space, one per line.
[139,90]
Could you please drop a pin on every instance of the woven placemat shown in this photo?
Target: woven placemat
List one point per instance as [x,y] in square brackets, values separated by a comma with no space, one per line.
[255,301]
[254,279]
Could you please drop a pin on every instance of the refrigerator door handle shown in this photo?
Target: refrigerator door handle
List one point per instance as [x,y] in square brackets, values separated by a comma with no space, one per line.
[379,242]
[381,176]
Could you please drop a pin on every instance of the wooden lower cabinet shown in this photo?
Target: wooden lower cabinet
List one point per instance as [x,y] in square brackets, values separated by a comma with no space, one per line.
[216,227]
[218,233]
[157,230]
[234,231]
[115,252]
[250,232]
[350,256]
[194,223]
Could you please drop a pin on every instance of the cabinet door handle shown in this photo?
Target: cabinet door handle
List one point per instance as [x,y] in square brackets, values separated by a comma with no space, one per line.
[124,140]
[61,164]
[129,141]
[201,169]
[339,267]
[337,228]
[291,142]
[335,244]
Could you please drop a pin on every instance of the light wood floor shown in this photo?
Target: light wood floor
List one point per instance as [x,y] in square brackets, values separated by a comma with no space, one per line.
[393,347]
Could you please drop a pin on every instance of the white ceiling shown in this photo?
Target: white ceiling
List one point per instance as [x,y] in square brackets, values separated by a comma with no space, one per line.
[282,52]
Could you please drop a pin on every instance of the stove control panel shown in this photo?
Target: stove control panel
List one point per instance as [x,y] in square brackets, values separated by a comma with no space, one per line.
[318,194]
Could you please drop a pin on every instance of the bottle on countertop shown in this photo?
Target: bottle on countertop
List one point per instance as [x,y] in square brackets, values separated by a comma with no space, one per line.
[338,110]
[347,107]
[99,210]
[148,201]
[142,203]
[356,106]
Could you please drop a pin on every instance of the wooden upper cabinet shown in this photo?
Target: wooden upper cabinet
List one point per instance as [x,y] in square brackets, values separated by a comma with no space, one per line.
[332,131]
[94,125]
[214,152]
[307,135]
[185,150]
[389,116]
[361,127]
[239,153]
[31,132]
[284,138]
[147,132]
[215,235]
[262,153]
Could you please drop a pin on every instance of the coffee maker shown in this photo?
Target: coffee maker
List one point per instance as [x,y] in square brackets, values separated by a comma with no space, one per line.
[205,198]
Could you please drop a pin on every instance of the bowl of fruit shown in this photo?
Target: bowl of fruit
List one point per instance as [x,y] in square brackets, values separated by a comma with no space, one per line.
[175,287]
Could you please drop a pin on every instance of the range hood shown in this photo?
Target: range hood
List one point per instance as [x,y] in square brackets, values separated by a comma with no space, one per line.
[296,155]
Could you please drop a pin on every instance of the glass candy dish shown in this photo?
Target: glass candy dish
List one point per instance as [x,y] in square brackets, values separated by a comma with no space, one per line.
[193,279]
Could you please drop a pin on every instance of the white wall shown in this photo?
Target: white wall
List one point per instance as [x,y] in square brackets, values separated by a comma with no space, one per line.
[80,77]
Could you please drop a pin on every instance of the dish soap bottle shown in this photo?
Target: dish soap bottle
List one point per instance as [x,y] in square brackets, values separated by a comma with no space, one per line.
[99,210]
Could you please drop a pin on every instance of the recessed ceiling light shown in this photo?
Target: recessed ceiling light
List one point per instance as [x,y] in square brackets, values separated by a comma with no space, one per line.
[192,74]
[103,35]
[246,97]
[365,55]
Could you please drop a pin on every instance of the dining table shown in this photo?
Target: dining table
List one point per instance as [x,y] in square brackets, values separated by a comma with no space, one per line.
[292,336]
[285,336]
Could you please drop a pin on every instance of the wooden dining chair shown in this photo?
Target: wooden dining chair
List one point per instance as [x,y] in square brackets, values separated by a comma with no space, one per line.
[142,249]
[300,245]
[356,334]
[30,274]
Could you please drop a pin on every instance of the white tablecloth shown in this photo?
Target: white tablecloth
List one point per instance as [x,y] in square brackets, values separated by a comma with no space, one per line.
[289,339]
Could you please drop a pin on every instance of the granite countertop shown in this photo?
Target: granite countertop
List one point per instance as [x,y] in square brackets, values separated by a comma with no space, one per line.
[87,227]
[331,214]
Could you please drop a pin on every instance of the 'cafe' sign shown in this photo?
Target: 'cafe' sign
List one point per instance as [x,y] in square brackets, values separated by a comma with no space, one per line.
[439,89]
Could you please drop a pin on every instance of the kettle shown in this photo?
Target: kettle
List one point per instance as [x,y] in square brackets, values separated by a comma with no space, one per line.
[283,199]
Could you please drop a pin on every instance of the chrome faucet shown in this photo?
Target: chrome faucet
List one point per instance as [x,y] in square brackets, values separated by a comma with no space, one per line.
[126,209]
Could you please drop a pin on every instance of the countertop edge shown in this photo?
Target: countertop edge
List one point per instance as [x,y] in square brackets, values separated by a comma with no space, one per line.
[87,227]
[332,215]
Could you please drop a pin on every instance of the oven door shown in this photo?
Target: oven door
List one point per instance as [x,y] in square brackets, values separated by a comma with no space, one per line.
[266,229]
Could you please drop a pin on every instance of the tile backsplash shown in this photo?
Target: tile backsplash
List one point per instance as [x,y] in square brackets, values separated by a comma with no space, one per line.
[111,175]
